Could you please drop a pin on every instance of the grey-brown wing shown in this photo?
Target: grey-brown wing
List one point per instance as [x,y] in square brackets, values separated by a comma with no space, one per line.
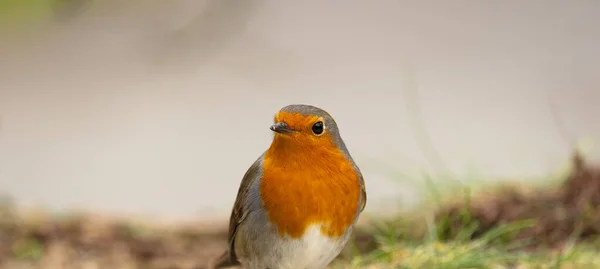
[238,214]
[240,211]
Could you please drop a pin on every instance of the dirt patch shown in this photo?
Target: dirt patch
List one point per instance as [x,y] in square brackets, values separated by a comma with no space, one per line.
[571,211]
[85,242]
[88,241]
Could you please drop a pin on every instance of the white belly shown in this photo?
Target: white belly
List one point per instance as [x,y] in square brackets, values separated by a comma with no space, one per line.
[311,251]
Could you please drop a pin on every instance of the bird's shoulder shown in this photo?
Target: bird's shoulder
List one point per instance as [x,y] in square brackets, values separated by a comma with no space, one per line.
[363,191]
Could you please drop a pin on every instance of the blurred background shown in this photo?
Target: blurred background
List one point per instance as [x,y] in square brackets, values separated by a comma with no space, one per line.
[159,107]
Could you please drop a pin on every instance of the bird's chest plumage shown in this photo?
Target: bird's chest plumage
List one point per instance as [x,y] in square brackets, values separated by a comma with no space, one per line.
[301,193]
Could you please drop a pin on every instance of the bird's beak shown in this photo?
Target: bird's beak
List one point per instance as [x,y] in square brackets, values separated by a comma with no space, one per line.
[282,128]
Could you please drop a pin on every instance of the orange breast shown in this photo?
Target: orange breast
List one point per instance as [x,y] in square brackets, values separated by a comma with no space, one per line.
[301,186]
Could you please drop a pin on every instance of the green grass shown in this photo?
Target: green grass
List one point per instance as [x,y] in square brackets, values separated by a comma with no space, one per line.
[419,239]
[475,254]
[419,242]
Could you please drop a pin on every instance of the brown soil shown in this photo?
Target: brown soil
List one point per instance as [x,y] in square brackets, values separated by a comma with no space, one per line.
[571,211]
[84,242]
[36,241]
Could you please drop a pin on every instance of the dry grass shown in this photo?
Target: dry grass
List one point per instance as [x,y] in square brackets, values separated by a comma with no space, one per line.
[571,210]
[510,227]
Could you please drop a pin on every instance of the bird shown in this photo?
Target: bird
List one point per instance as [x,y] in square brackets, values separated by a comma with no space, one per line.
[299,201]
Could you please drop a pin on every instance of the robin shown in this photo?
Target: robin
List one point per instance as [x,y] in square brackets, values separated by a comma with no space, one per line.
[298,202]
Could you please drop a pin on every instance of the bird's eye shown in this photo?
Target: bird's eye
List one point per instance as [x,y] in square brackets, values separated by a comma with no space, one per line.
[317,128]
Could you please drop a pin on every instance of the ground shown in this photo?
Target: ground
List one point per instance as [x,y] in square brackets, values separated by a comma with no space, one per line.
[510,227]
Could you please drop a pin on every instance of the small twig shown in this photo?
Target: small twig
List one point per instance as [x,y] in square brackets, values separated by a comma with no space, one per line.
[413,105]
[560,124]
[564,133]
